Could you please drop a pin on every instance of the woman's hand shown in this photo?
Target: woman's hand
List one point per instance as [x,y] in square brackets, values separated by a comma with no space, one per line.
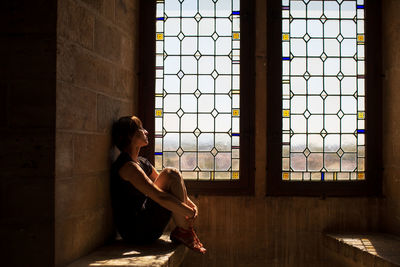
[195,210]
[192,216]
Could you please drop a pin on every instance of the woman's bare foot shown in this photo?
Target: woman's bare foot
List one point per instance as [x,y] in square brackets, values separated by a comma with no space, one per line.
[189,238]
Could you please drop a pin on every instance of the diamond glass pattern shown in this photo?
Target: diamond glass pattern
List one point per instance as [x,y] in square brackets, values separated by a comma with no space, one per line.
[323,94]
[197,88]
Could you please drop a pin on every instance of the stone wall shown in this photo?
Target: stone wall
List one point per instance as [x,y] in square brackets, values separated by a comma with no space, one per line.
[96,81]
[391,108]
[27,124]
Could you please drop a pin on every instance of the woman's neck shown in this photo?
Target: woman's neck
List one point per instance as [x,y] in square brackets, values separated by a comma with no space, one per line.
[133,151]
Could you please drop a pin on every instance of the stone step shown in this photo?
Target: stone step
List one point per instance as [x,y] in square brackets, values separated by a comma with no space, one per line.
[162,253]
[369,249]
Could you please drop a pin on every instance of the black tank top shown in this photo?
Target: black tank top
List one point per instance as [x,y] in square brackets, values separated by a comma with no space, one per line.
[125,198]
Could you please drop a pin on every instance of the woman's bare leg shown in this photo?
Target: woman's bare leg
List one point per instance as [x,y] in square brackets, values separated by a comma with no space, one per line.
[170,180]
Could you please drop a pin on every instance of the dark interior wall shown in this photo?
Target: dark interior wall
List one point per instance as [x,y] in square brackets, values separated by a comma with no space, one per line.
[96,81]
[27,124]
[391,109]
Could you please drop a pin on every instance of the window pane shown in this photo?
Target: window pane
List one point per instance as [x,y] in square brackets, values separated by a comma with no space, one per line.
[197,90]
[323,99]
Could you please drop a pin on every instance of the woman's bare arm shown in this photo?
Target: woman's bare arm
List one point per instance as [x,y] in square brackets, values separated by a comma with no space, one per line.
[154,174]
[193,206]
[134,174]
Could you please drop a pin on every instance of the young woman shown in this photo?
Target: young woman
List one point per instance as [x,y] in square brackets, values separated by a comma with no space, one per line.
[144,200]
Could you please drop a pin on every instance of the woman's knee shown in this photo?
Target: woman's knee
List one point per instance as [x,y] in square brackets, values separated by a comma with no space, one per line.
[170,176]
[172,173]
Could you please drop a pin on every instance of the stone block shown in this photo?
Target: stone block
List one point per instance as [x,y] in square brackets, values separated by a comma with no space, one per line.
[79,195]
[94,73]
[65,249]
[76,108]
[77,236]
[75,23]
[66,60]
[127,15]
[105,8]
[82,68]
[129,60]
[391,219]
[109,110]
[124,83]
[391,183]
[109,9]
[136,97]
[107,40]
[91,153]
[64,154]
[390,34]
[103,191]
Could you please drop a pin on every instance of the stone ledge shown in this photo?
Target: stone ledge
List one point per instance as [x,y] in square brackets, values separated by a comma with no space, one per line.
[162,253]
[370,249]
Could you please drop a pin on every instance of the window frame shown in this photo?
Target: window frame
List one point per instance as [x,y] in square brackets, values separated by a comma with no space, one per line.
[146,47]
[372,186]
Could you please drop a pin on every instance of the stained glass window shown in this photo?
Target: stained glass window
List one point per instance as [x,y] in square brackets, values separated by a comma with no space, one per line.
[197,93]
[323,96]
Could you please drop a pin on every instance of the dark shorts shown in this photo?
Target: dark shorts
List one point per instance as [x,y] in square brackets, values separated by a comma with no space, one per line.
[148,224]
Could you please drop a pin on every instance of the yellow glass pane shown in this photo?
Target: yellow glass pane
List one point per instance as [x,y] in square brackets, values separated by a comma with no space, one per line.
[285,37]
[160,36]
[285,176]
[158,112]
[235,175]
[286,113]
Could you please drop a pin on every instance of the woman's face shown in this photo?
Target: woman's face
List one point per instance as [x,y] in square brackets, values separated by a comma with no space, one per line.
[140,137]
